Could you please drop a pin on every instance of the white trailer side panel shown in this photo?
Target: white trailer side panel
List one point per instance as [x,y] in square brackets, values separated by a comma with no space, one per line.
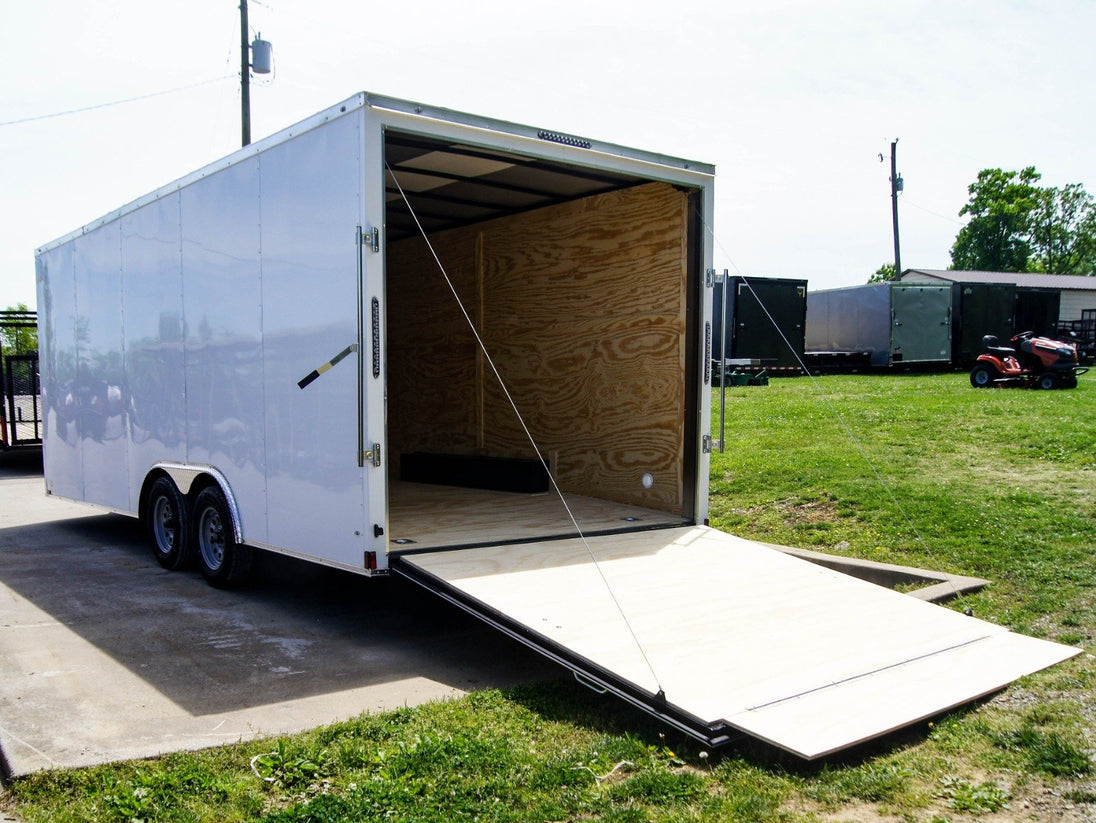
[99,373]
[176,331]
[222,306]
[152,282]
[63,458]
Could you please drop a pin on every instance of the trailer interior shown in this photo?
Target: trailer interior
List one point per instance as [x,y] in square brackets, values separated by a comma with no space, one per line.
[583,285]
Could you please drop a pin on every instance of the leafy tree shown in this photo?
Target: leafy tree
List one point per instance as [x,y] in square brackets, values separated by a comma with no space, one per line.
[18,339]
[997,236]
[1063,231]
[1016,225]
[884,274]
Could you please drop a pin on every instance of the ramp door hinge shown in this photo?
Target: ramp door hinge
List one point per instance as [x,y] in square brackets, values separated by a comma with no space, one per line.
[710,445]
[373,456]
[709,278]
[371,239]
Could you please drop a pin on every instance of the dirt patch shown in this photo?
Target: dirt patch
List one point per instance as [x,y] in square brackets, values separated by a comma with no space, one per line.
[794,512]
[1035,474]
[1037,803]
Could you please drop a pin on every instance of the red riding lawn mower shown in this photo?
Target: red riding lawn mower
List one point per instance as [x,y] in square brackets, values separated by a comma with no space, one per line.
[1034,363]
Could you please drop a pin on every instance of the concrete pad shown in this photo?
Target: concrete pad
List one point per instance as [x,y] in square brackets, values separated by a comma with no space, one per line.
[105,656]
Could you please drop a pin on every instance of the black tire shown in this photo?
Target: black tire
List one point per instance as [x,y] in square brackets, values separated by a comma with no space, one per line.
[167,521]
[224,563]
[1048,381]
[982,376]
[1069,382]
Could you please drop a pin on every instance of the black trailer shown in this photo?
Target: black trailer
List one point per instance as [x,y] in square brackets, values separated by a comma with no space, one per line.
[979,309]
[1037,310]
[766,318]
[20,401]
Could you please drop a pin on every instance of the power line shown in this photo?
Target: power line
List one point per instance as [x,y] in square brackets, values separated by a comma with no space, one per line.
[933,213]
[116,102]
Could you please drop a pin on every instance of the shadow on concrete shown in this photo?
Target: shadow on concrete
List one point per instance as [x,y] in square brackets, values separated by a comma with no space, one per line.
[21,462]
[296,630]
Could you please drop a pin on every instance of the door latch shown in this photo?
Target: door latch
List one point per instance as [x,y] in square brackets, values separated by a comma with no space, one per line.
[371,239]
[373,456]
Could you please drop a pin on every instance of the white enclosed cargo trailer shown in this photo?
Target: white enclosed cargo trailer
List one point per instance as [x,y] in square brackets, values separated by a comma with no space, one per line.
[269,354]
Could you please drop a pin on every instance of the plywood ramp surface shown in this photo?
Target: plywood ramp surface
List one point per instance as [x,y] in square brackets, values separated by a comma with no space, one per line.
[806,658]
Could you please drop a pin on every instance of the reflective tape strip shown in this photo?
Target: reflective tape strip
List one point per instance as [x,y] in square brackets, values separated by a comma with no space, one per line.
[308,378]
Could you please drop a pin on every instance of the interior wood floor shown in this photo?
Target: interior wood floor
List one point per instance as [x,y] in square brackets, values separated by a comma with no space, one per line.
[442,516]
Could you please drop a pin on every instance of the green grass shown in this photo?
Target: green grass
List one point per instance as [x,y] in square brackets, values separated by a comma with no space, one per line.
[995,483]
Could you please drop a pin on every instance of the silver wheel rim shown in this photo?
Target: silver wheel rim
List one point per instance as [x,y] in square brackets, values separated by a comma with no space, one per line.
[164,524]
[211,539]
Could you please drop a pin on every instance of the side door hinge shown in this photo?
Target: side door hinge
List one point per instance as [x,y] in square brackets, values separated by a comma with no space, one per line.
[371,239]
[372,456]
[708,445]
[711,277]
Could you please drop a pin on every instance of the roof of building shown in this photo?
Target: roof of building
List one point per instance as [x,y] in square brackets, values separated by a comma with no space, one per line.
[1045,281]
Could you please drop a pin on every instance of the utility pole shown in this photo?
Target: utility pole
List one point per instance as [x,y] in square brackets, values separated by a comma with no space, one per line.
[245,80]
[896,186]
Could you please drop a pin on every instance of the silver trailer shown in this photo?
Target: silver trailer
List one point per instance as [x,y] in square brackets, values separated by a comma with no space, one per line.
[892,323]
[395,338]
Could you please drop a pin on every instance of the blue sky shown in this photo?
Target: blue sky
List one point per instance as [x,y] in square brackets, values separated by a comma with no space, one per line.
[792,101]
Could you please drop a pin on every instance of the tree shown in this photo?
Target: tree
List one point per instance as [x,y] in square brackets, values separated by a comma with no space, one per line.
[997,236]
[884,274]
[1018,226]
[18,339]
[1063,231]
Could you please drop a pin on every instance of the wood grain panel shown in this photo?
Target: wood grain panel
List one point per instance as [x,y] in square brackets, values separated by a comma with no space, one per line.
[585,308]
[432,368]
[582,309]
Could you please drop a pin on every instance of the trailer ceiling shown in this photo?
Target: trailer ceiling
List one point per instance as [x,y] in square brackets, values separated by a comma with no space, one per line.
[451,184]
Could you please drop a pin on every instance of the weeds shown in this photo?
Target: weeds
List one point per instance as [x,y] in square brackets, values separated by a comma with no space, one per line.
[967,797]
[1046,752]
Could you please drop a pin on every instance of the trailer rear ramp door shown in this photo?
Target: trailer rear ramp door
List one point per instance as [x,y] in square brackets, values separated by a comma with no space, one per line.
[740,637]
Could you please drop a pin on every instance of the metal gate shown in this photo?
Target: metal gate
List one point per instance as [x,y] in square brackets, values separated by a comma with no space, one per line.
[21,413]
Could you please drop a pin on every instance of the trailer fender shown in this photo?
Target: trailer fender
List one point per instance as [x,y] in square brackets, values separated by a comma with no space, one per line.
[186,476]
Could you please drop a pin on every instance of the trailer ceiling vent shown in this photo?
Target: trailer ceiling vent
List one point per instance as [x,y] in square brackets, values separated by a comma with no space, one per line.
[565,139]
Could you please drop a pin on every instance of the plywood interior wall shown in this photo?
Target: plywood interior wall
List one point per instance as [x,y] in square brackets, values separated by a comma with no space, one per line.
[582,308]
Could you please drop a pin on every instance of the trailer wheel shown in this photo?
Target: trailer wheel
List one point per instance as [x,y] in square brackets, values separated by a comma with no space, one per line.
[982,376]
[167,520]
[1048,381]
[224,562]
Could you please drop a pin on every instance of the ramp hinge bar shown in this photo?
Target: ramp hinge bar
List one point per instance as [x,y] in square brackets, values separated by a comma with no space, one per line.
[373,456]
[371,238]
[709,445]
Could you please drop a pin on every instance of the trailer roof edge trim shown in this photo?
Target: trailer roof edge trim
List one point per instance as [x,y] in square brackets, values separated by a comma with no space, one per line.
[539,134]
[404,107]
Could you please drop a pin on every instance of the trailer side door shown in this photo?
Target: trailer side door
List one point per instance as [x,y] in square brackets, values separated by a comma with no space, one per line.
[317,485]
